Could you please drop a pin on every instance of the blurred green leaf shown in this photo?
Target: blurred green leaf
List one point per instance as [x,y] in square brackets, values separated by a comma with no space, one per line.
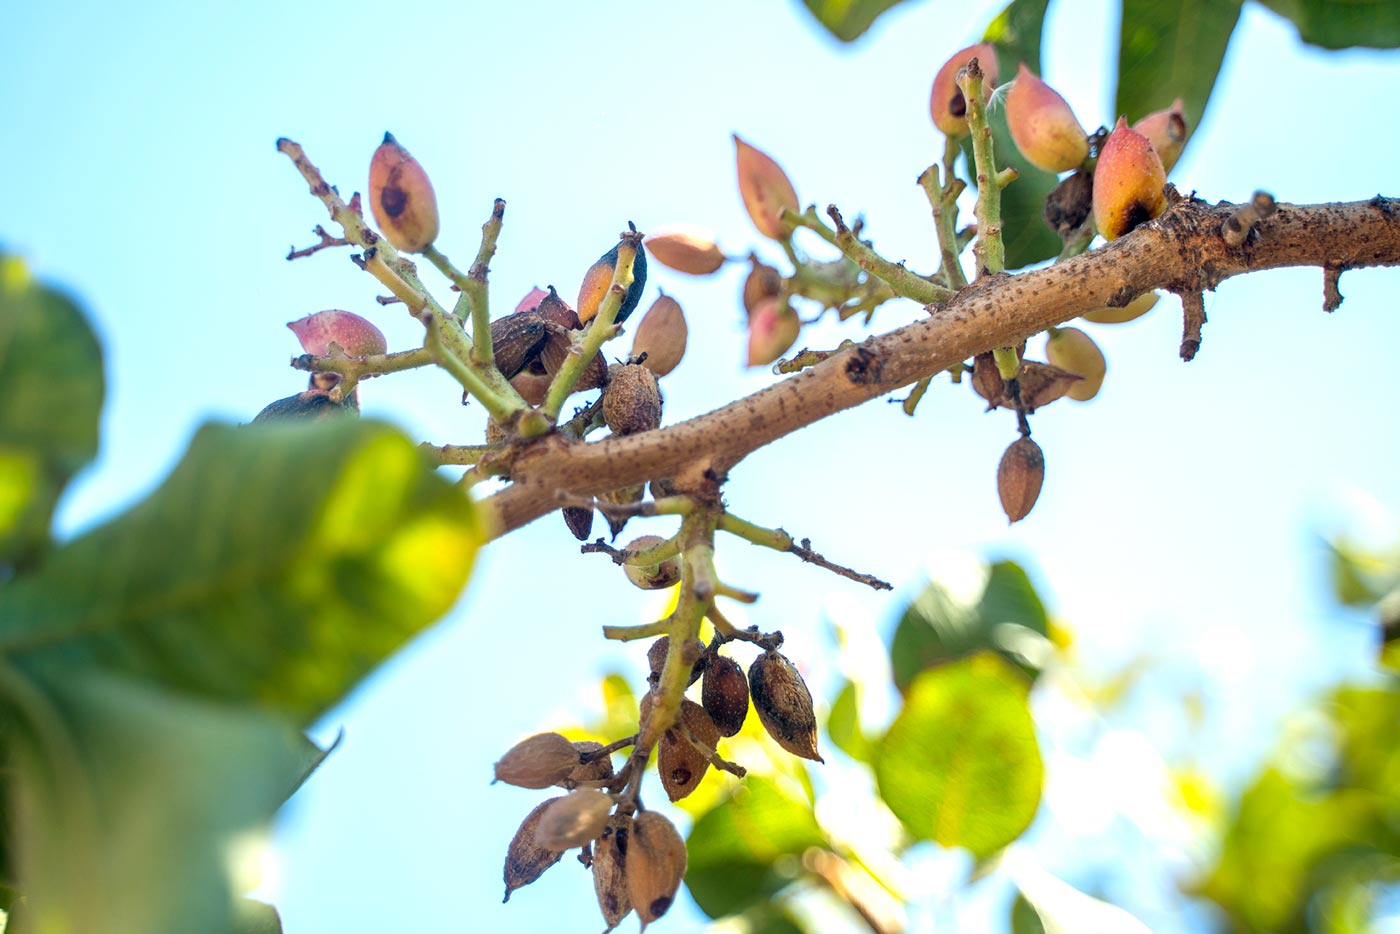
[129,797]
[255,917]
[1024,919]
[1359,577]
[277,565]
[746,848]
[1016,31]
[1171,50]
[51,389]
[843,724]
[848,20]
[936,629]
[1342,24]
[960,765]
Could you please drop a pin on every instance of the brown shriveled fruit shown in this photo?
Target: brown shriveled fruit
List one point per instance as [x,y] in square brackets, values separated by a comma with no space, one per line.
[542,760]
[610,870]
[555,351]
[661,336]
[694,650]
[553,308]
[573,820]
[1040,383]
[679,763]
[1073,350]
[1019,477]
[686,249]
[595,771]
[763,281]
[655,865]
[1069,203]
[526,860]
[652,576]
[532,386]
[784,704]
[401,198]
[632,400]
[724,693]
[579,519]
[515,339]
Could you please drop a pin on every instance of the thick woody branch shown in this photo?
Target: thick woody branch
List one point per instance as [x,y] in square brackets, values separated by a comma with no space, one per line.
[1183,250]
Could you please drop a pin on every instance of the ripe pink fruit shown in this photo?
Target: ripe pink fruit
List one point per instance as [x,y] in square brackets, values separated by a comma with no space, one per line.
[765,189]
[355,335]
[1166,130]
[946,104]
[1043,125]
[1128,182]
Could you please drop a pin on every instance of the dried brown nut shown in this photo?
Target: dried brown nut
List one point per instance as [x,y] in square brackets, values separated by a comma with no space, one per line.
[632,401]
[763,281]
[625,496]
[1019,477]
[686,249]
[661,336]
[1073,350]
[655,865]
[595,770]
[495,432]
[784,704]
[516,339]
[553,308]
[533,387]
[526,860]
[557,346]
[542,760]
[694,651]
[765,190]
[679,762]
[724,693]
[579,519]
[652,576]
[574,819]
[610,870]
[401,198]
[986,379]
[1069,203]
[1040,383]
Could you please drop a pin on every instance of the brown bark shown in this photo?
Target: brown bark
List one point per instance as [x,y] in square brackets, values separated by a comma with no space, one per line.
[1182,251]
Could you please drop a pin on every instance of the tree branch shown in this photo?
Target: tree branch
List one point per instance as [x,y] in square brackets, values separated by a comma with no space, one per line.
[1183,250]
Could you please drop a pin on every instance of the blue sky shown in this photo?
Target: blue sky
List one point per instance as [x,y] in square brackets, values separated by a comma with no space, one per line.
[1181,511]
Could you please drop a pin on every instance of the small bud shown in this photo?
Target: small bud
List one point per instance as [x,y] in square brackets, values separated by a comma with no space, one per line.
[773,329]
[686,249]
[356,336]
[652,576]
[1043,126]
[655,865]
[1166,131]
[579,519]
[555,350]
[1128,182]
[573,820]
[1019,476]
[598,279]
[1129,312]
[610,870]
[693,652]
[515,340]
[724,693]
[1073,350]
[526,860]
[765,190]
[946,103]
[679,763]
[632,400]
[595,770]
[763,281]
[784,704]
[401,198]
[542,760]
[661,336]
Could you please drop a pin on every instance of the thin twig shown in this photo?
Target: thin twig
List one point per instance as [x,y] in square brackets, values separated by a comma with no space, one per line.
[327,241]
[780,540]
[1193,309]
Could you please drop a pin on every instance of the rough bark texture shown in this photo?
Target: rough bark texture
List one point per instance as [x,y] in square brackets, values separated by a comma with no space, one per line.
[1183,250]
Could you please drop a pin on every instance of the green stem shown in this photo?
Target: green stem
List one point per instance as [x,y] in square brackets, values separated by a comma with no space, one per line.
[1008,362]
[990,250]
[448,357]
[632,633]
[904,283]
[456,454]
[942,194]
[777,539]
[917,393]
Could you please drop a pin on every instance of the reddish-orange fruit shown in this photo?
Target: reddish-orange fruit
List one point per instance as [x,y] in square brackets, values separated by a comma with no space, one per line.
[1019,478]
[401,198]
[946,104]
[773,329]
[355,335]
[1043,126]
[1166,130]
[686,249]
[1128,182]
[598,279]
[1073,350]
[765,190]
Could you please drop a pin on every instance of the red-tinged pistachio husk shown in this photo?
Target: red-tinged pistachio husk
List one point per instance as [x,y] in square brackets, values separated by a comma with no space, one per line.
[515,340]
[1128,182]
[773,329]
[595,770]
[655,865]
[693,652]
[946,104]
[401,198]
[686,249]
[598,279]
[763,281]
[784,704]
[765,190]
[610,870]
[579,519]
[526,860]
[632,400]
[1130,312]
[533,387]
[1070,203]
[555,351]
[1019,477]
[542,760]
[622,496]
[356,336]
[531,301]
[679,762]
[1043,125]
[652,576]
[573,820]
[1166,131]
[724,693]
[1073,350]
[661,336]
[555,309]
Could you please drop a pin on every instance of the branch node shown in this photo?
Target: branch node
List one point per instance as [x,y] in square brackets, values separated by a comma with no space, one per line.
[1331,287]
[1239,225]
[1193,308]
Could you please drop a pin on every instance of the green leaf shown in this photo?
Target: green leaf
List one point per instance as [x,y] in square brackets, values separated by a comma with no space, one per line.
[129,797]
[1025,235]
[1016,32]
[277,564]
[960,764]
[50,403]
[848,20]
[255,917]
[1171,50]
[843,724]
[1024,919]
[737,849]
[1341,24]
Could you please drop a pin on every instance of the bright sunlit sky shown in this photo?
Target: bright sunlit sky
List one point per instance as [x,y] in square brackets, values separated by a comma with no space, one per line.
[1182,509]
